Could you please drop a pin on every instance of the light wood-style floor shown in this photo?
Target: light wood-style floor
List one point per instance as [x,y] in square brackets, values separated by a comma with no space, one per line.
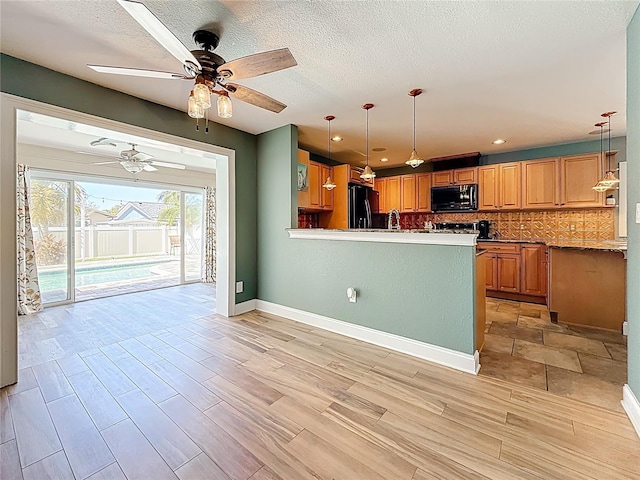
[262,397]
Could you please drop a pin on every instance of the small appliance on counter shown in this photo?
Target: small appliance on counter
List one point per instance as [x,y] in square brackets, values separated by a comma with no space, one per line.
[483,227]
[457,227]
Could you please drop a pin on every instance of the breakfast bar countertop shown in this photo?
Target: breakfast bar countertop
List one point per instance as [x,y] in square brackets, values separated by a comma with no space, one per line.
[607,245]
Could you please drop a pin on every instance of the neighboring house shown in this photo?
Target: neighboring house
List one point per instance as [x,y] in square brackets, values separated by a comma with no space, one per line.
[96,217]
[138,213]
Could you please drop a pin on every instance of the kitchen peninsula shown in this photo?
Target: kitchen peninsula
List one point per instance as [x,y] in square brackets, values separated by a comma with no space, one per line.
[423,305]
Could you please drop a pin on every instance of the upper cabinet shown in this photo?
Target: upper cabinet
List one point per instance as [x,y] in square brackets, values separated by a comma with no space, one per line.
[577,176]
[540,183]
[459,176]
[500,187]
[314,197]
[393,194]
[408,193]
[423,192]
[380,186]
[564,182]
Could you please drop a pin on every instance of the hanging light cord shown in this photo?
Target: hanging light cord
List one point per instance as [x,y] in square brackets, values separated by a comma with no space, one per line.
[609,150]
[367,142]
[414,122]
[329,139]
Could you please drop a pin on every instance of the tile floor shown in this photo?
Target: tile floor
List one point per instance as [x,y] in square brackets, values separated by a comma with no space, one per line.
[524,347]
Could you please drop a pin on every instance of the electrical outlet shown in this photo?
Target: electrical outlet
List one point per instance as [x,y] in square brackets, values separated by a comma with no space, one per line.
[239,287]
[522,226]
[572,227]
[637,212]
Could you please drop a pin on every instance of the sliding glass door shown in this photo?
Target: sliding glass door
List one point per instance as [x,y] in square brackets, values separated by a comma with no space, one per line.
[97,238]
[51,209]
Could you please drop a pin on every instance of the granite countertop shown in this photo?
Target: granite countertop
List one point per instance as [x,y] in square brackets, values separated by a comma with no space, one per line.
[607,245]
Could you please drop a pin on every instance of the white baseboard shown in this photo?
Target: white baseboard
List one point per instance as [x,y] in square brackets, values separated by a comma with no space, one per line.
[625,328]
[244,307]
[433,353]
[632,407]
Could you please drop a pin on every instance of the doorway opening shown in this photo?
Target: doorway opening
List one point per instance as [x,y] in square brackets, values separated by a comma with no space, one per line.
[99,237]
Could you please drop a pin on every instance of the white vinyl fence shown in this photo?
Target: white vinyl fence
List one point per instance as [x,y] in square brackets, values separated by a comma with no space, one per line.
[107,241]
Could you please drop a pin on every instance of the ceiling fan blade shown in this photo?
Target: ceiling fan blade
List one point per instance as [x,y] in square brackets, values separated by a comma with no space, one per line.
[159,31]
[137,72]
[258,64]
[149,168]
[258,99]
[167,165]
[104,163]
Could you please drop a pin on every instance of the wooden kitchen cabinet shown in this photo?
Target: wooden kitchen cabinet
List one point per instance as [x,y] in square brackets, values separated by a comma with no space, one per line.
[327,195]
[578,174]
[534,269]
[380,186]
[442,179]
[423,192]
[459,176]
[315,197]
[393,193]
[500,187]
[315,186]
[491,271]
[540,183]
[516,271]
[408,193]
[508,266]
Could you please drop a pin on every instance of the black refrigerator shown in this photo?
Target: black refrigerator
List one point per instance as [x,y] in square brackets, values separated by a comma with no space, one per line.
[363,203]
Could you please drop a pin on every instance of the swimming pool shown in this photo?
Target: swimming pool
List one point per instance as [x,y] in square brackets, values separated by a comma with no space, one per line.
[96,275]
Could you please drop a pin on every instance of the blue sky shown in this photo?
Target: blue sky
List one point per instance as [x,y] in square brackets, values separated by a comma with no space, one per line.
[105,196]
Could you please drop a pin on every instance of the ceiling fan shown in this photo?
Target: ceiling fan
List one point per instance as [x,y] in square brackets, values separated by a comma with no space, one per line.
[212,74]
[134,161]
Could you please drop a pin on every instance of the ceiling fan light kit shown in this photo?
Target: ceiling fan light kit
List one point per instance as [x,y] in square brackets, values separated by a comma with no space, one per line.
[414,159]
[206,68]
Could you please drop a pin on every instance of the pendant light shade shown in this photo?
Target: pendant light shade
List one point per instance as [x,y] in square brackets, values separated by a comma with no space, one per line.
[609,181]
[329,183]
[367,174]
[225,108]
[414,160]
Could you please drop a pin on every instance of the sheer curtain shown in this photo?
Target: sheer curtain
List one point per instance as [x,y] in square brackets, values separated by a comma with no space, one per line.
[29,300]
[209,235]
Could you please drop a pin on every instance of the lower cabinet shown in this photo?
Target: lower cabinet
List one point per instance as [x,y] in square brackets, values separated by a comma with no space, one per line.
[516,269]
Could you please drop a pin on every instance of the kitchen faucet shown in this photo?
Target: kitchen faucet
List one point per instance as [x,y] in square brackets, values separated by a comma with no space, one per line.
[394,212]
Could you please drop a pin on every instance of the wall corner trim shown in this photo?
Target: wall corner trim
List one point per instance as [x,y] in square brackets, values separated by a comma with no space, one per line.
[244,307]
[433,353]
[631,405]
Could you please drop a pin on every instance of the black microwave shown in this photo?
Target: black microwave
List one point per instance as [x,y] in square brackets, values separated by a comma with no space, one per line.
[454,198]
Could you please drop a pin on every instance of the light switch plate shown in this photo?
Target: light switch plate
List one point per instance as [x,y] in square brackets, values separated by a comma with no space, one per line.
[637,212]
[239,287]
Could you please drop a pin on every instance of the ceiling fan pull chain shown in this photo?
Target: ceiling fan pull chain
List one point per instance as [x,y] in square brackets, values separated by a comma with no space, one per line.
[197,125]
[206,122]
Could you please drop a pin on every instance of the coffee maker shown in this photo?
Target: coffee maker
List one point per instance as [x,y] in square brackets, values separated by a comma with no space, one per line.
[483,227]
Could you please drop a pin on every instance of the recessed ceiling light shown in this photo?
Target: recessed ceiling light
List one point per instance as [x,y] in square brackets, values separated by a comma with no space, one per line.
[384,159]
[499,141]
[378,149]
[337,138]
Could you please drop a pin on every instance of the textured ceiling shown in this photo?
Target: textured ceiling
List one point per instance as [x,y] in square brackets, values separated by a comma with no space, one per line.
[532,72]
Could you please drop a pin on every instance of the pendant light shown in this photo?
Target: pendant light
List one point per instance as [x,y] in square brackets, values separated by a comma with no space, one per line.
[225,109]
[329,184]
[367,174]
[414,159]
[598,187]
[610,180]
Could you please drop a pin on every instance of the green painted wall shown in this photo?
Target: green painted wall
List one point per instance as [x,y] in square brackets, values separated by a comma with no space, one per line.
[618,143]
[417,291]
[31,81]
[633,196]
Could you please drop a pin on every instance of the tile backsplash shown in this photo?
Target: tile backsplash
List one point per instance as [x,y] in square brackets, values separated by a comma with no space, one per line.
[592,224]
